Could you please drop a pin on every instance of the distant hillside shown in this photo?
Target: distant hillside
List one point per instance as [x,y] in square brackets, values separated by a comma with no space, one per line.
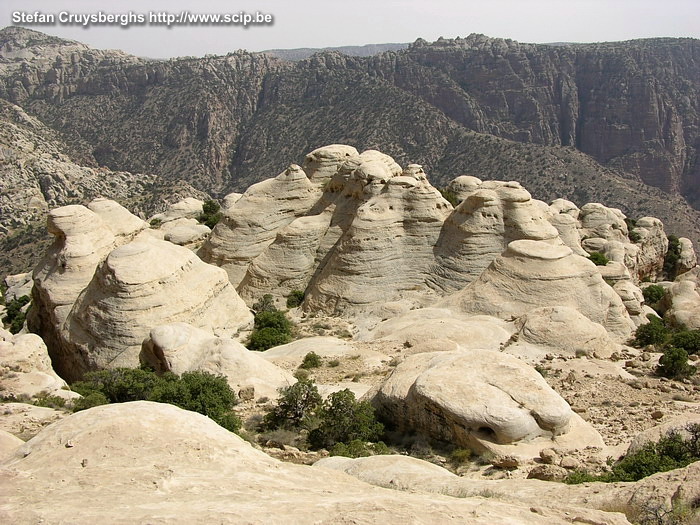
[614,122]
[354,51]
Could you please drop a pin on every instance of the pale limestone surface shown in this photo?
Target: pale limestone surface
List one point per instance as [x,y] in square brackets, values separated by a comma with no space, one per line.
[141,285]
[180,348]
[639,499]
[25,368]
[564,331]
[491,216]
[251,224]
[189,208]
[433,329]
[9,443]
[531,274]
[684,296]
[460,396]
[688,258]
[291,355]
[198,472]
[123,224]
[18,285]
[185,232]
[25,421]
[322,163]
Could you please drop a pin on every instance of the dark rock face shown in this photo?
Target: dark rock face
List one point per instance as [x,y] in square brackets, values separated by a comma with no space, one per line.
[222,123]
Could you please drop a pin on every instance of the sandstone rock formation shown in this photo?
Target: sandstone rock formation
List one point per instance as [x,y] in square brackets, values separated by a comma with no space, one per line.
[180,348]
[644,499]
[564,331]
[26,421]
[25,368]
[491,215]
[18,285]
[467,397]
[530,274]
[684,295]
[141,285]
[82,241]
[175,476]
[251,224]
[396,227]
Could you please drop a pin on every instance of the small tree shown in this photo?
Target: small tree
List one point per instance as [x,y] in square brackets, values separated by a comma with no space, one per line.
[295,298]
[674,364]
[688,340]
[653,293]
[296,403]
[211,213]
[311,360]
[652,333]
[344,419]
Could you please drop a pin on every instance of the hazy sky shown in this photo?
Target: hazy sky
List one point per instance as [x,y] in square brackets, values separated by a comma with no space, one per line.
[315,23]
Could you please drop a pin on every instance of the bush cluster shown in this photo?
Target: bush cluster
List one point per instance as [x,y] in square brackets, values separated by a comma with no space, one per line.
[653,294]
[599,259]
[676,345]
[15,317]
[295,298]
[672,257]
[311,360]
[450,196]
[196,391]
[671,452]
[211,213]
[271,326]
[340,424]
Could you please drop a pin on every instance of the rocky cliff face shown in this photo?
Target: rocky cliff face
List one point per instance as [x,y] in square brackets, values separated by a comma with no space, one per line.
[224,123]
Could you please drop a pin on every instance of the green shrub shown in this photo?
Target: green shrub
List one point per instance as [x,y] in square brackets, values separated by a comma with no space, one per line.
[211,213]
[688,340]
[674,364]
[156,223]
[264,338]
[295,298]
[197,391]
[343,419]
[276,320]
[90,400]
[654,332]
[296,403]
[672,451]
[450,196]
[118,385]
[265,304]
[460,456]
[311,360]
[653,293]
[201,392]
[634,236]
[672,257]
[359,449]
[272,328]
[14,316]
[598,258]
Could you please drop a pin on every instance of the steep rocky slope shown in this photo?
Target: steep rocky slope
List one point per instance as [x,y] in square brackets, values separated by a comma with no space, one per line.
[491,108]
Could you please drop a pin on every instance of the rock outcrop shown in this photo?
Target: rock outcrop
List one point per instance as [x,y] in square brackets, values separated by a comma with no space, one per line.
[469,397]
[491,215]
[175,476]
[141,285]
[684,298]
[251,224]
[531,274]
[180,348]
[25,369]
[564,331]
